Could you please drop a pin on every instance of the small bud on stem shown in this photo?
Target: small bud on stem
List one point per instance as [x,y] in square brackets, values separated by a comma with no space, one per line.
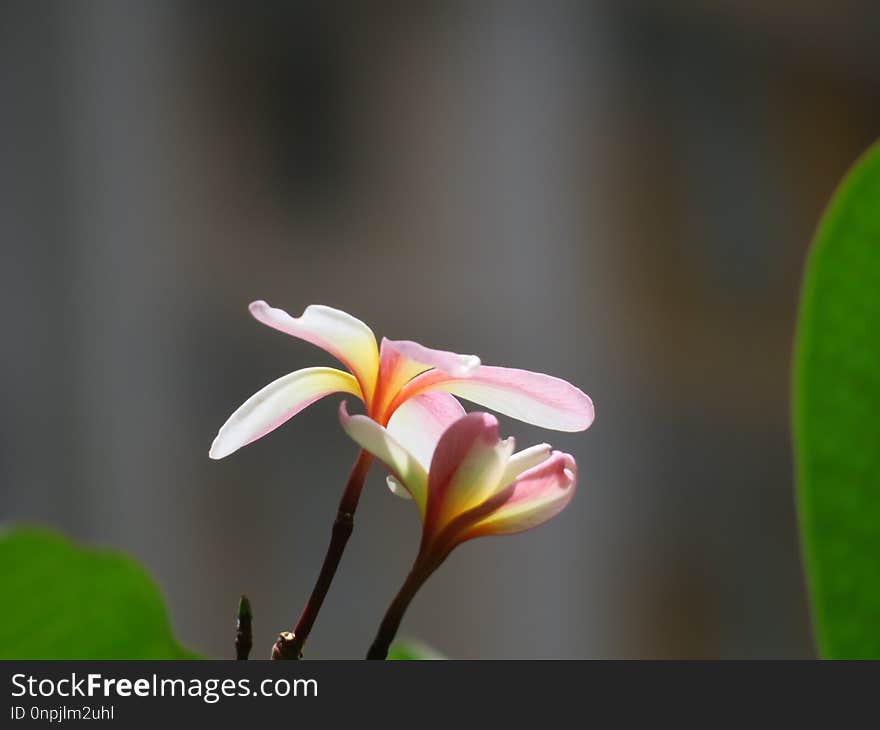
[243,629]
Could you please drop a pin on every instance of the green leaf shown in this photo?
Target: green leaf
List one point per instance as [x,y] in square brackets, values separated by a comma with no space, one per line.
[412,650]
[836,424]
[65,601]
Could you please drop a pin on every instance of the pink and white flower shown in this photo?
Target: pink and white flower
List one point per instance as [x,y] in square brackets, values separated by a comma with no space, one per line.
[399,382]
[473,483]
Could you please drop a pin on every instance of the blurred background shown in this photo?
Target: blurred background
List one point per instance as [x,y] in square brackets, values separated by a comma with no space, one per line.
[620,194]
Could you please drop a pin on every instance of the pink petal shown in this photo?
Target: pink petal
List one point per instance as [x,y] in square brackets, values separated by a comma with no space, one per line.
[345,337]
[279,401]
[419,423]
[537,496]
[466,467]
[535,398]
[451,363]
[395,371]
[400,361]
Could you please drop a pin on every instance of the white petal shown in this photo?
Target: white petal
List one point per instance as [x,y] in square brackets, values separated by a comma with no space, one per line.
[524,460]
[371,437]
[343,336]
[279,401]
[396,488]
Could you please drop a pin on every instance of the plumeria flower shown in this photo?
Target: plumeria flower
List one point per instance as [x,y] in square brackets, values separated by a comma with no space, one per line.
[403,385]
[473,485]
[400,380]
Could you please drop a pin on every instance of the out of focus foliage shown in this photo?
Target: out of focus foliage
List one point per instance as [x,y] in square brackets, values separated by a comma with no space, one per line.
[412,650]
[65,601]
[837,418]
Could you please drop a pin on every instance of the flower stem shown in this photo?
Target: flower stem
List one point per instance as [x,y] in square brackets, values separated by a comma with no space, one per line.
[342,529]
[394,615]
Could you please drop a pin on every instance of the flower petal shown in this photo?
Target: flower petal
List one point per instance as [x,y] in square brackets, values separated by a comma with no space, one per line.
[419,423]
[279,401]
[465,470]
[372,437]
[451,363]
[535,398]
[396,488]
[343,336]
[400,361]
[524,460]
[537,496]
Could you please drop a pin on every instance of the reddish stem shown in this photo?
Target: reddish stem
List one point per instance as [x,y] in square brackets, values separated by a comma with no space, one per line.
[342,529]
[420,572]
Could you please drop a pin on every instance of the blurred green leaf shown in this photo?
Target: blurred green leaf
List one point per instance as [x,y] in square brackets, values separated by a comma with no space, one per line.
[65,601]
[837,418]
[412,650]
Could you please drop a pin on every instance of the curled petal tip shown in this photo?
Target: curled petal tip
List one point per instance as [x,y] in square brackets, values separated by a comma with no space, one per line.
[396,488]
[466,366]
[262,311]
[488,424]
[568,467]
